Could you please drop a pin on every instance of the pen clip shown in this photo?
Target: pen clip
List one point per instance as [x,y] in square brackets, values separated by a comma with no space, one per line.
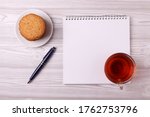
[52,49]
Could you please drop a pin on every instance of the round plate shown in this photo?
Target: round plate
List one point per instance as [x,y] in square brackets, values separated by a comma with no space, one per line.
[47,35]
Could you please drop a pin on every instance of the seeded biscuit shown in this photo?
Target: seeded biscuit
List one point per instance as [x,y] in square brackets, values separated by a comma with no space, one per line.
[32,27]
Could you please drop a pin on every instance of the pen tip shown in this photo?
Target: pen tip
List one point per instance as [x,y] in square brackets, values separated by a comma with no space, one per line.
[28,81]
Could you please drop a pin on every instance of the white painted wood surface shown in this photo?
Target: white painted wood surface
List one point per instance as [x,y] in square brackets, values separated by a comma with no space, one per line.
[18,62]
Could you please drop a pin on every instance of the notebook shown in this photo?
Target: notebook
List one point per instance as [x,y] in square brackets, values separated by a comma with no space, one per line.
[88,42]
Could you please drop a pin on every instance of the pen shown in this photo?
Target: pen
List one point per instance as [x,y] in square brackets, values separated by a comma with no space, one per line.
[43,62]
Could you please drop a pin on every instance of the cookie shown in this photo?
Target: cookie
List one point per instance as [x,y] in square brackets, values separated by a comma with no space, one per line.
[32,27]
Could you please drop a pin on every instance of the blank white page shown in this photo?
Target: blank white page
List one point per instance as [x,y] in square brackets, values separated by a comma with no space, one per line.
[88,42]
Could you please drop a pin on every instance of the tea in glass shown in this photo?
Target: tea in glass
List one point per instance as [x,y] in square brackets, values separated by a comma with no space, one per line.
[119,68]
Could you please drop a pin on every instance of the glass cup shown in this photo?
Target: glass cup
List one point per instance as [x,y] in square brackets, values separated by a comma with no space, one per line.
[120,68]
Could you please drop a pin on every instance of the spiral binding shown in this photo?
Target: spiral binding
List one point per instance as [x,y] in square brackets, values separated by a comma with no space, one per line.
[103,17]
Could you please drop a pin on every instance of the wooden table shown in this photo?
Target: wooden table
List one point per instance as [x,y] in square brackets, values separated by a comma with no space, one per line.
[18,62]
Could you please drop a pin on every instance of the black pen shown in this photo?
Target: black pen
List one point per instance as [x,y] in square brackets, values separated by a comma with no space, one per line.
[43,62]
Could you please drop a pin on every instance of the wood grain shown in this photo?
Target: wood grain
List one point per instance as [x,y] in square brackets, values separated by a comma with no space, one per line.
[18,62]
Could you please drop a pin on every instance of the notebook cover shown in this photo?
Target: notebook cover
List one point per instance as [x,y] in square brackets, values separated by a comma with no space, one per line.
[88,42]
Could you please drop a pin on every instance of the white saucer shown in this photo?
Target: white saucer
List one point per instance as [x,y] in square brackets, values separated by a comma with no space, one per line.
[47,35]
